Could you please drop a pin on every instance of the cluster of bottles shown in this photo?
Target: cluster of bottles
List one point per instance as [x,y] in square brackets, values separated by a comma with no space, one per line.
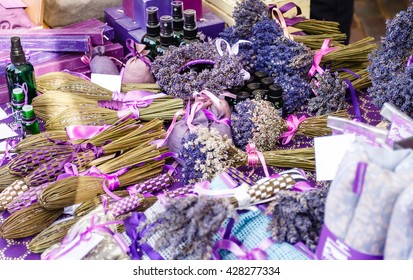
[259,87]
[20,75]
[169,30]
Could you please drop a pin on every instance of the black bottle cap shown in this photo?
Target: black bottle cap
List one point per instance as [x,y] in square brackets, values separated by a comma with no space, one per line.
[167,32]
[253,86]
[17,55]
[275,91]
[236,90]
[259,94]
[259,75]
[267,82]
[152,26]
[242,96]
[190,26]
[177,15]
[251,79]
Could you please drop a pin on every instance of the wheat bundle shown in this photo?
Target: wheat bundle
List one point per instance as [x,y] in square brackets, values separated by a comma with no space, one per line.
[28,221]
[51,235]
[164,109]
[146,87]
[6,178]
[78,189]
[53,80]
[28,161]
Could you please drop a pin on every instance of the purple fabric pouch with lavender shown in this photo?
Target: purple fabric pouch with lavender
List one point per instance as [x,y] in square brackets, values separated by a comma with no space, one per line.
[101,64]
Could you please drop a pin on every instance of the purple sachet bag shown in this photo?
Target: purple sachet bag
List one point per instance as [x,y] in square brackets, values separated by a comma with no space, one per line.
[101,64]
[138,67]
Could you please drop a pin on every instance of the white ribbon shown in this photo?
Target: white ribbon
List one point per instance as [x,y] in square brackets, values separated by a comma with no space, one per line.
[232,50]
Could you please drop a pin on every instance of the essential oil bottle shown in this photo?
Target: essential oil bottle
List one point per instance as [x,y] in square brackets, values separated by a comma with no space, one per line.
[20,71]
[29,121]
[190,27]
[178,19]
[17,103]
[153,29]
[166,34]
[275,96]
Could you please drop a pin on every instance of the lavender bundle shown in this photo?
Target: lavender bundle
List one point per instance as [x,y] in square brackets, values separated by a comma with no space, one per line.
[206,153]
[330,92]
[36,141]
[131,203]
[298,216]
[6,178]
[28,221]
[11,192]
[390,70]
[91,204]
[25,199]
[187,226]
[195,67]
[78,189]
[53,80]
[27,162]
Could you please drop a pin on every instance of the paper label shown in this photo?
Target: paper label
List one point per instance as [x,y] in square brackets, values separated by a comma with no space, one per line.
[329,152]
[400,129]
[110,82]
[332,248]
[6,132]
[3,114]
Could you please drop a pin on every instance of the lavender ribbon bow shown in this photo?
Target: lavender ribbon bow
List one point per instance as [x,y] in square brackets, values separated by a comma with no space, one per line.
[138,50]
[137,248]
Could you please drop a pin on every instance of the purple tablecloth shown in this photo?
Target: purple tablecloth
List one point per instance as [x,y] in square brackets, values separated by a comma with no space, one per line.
[18,249]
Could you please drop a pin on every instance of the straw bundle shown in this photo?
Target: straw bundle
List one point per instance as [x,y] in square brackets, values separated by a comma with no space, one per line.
[28,161]
[11,192]
[78,189]
[53,80]
[6,178]
[89,205]
[164,109]
[318,27]
[146,87]
[36,141]
[317,125]
[51,235]
[28,221]
[316,41]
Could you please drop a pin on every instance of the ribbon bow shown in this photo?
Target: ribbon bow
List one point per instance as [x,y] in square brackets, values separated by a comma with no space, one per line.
[86,236]
[81,132]
[232,50]
[138,50]
[137,248]
[293,123]
[240,251]
[325,49]
[254,156]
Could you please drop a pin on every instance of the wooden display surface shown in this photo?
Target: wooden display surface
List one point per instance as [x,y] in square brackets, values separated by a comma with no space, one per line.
[35,11]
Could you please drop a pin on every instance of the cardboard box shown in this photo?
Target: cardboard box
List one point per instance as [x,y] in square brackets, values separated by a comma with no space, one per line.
[35,10]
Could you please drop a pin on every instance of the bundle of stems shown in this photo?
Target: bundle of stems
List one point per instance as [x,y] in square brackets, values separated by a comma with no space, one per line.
[28,161]
[317,125]
[25,199]
[53,80]
[164,109]
[15,189]
[318,27]
[88,206]
[78,189]
[6,178]
[28,221]
[36,141]
[146,87]
[316,41]
[358,83]
[51,235]
[353,56]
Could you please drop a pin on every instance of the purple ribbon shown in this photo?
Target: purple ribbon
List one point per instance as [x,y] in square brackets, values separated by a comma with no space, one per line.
[358,183]
[195,62]
[300,246]
[137,248]
[410,61]
[211,116]
[81,132]
[86,236]
[240,251]
[6,155]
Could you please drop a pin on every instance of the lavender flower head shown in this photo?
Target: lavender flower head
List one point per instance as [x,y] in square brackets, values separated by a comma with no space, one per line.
[188,224]
[204,153]
[246,14]
[256,122]
[224,73]
[298,217]
[388,70]
[331,93]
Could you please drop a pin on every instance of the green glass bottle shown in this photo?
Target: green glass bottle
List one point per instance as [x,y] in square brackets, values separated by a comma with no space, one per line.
[20,71]
[178,20]
[29,121]
[166,34]
[17,103]
[153,29]
[190,27]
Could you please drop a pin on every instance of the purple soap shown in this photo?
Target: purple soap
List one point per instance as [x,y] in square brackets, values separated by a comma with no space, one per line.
[113,14]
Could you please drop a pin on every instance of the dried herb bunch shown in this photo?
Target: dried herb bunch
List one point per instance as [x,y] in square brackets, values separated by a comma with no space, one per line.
[298,216]
[256,122]
[219,73]
[187,226]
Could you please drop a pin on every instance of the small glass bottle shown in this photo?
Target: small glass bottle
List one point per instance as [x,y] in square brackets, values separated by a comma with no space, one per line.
[190,27]
[178,19]
[153,29]
[29,121]
[260,94]
[253,86]
[259,75]
[275,96]
[242,96]
[267,82]
[17,103]
[20,71]
[166,34]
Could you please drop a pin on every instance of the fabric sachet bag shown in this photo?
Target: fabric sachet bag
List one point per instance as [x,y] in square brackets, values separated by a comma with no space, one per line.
[101,64]
[138,66]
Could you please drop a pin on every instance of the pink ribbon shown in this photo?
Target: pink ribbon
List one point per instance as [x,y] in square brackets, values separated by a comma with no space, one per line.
[228,94]
[211,116]
[254,156]
[171,127]
[138,50]
[240,251]
[134,100]
[281,21]
[325,49]
[86,236]
[81,132]
[197,106]
[205,96]
[293,123]
[25,91]
[6,154]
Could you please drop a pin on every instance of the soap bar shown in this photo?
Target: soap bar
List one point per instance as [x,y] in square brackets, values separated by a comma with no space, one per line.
[113,14]
[56,43]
